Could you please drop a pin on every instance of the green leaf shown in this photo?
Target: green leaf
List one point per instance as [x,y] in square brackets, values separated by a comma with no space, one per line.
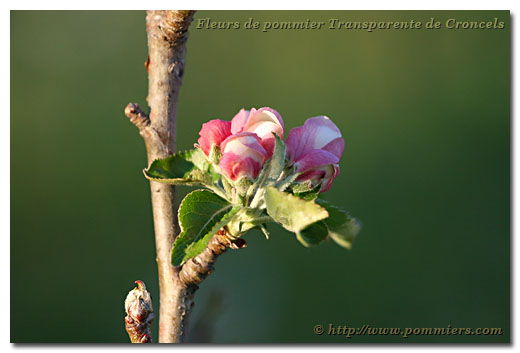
[181,168]
[293,213]
[176,166]
[201,214]
[313,234]
[342,228]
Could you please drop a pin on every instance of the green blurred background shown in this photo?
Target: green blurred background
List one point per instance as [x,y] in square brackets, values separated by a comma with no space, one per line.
[425,116]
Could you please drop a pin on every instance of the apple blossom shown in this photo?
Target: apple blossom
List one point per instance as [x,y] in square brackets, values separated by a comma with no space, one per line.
[242,156]
[315,149]
[318,166]
[213,133]
[263,122]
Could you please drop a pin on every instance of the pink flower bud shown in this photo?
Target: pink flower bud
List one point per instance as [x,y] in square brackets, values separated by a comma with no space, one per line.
[262,122]
[318,166]
[315,149]
[242,155]
[213,133]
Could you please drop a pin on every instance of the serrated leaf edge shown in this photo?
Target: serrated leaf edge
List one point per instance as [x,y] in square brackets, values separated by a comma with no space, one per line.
[347,214]
[180,223]
[301,200]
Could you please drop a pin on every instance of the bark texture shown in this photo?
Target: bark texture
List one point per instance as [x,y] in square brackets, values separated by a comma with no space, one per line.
[167,35]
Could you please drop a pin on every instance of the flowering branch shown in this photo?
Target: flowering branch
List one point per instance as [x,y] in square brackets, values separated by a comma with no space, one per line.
[250,176]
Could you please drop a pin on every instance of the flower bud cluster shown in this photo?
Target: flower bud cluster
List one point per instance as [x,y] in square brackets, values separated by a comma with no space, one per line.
[242,146]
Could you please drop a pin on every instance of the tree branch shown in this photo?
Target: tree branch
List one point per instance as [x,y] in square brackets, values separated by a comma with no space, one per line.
[195,270]
[167,35]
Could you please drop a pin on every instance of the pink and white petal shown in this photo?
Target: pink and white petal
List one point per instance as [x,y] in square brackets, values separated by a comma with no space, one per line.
[268,145]
[236,166]
[213,132]
[239,121]
[336,147]
[227,164]
[315,159]
[297,144]
[247,168]
[324,175]
[320,131]
[204,145]
[245,144]
[269,114]
[265,129]
[329,178]
[314,175]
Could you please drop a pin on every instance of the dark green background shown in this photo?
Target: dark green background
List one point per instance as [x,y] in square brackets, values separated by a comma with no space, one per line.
[425,116]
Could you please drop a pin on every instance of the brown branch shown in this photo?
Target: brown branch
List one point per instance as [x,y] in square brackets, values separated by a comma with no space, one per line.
[139,314]
[154,144]
[195,270]
[167,35]
[137,116]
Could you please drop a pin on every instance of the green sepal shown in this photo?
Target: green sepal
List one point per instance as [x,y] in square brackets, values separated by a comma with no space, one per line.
[283,184]
[277,160]
[305,190]
[270,172]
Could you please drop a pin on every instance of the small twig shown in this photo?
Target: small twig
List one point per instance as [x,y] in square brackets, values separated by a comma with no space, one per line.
[154,144]
[195,270]
[137,116]
[139,314]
